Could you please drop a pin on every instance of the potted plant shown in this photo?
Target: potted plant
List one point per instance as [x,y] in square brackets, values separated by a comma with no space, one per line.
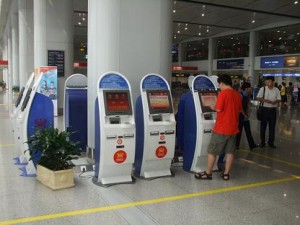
[55,150]
[16,89]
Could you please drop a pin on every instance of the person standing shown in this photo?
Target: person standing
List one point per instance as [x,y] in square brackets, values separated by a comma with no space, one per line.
[269,96]
[289,94]
[228,108]
[283,94]
[244,117]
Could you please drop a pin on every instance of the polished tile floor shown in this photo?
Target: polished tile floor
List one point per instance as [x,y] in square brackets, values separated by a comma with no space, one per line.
[264,188]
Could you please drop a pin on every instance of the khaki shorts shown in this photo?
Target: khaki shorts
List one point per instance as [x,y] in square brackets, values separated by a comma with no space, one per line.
[220,143]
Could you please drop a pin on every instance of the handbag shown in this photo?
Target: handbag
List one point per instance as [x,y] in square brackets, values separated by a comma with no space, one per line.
[259,108]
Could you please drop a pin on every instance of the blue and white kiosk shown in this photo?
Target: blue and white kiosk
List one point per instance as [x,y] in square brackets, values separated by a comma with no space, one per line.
[199,121]
[36,112]
[155,120]
[114,131]
[17,109]
[75,110]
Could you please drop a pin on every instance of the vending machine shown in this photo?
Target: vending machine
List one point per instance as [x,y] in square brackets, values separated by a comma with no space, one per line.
[155,120]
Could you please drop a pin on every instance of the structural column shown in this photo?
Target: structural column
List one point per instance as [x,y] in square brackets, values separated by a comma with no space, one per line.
[9,56]
[15,50]
[5,57]
[128,36]
[180,55]
[211,55]
[53,30]
[253,46]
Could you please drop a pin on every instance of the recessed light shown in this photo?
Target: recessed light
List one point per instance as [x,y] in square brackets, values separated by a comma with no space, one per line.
[253,21]
[185,28]
[202,14]
[178,32]
[295,2]
[79,23]
[199,33]
[278,31]
[207,30]
[83,18]
[174,11]
[280,38]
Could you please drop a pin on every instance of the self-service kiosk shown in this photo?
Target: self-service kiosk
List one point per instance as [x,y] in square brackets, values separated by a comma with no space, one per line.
[18,104]
[199,120]
[180,115]
[75,110]
[114,131]
[155,141]
[36,112]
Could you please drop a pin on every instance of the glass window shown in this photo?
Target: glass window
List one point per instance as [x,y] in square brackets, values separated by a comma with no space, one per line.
[277,41]
[196,50]
[233,46]
[175,53]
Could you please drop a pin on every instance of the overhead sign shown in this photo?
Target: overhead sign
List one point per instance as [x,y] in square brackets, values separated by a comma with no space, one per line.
[281,74]
[230,64]
[279,62]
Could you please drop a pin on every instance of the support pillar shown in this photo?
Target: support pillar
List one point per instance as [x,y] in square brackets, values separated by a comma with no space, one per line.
[253,46]
[15,50]
[115,42]
[211,55]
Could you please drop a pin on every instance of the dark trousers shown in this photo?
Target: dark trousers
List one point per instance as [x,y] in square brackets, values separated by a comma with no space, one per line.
[268,117]
[246,125]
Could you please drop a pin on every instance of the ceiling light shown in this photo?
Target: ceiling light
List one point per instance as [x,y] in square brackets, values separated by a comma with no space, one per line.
[175,37]
[79,23]
[179,24]
[295,2]
[298,33]
[253,21]
[202,14]
[83,18]
[278,31]
[280,38]
[185,28]
[178,32]
[199,33]
[270,41]
[207,30]
[174,11]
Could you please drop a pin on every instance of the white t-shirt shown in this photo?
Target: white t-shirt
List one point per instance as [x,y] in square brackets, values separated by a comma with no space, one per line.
[270,94]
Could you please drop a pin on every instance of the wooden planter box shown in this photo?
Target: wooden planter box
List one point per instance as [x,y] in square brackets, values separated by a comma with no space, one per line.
[55,179]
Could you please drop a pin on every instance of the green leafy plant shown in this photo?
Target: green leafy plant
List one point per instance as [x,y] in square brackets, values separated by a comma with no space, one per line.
[16,88]
[54,146]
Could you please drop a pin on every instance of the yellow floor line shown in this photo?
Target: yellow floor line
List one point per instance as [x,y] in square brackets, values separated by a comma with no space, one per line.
[6,104]
[7,145]
[146,202]
[271,158]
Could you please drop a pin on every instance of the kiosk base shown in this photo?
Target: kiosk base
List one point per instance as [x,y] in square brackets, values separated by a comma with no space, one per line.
[154,175]
[201,165]
[107,182]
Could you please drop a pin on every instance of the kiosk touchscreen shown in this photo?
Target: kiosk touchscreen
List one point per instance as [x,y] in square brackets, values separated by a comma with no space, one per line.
[155,121]
[36,112]
[18,104]
[114,131]
[75,110]
[199,120]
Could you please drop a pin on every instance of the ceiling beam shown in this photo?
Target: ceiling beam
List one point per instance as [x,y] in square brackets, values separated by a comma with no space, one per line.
[240,8]
[210,25]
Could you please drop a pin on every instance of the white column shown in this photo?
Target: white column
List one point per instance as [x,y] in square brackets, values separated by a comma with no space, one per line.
[211,55]
[9,55]
[128,36]
[53,30]
[15,50]
[22,42]
[5,57]
[40,41]
[253,42]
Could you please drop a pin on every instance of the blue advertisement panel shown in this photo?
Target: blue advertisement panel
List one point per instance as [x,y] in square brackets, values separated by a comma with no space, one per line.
[282,74]
[230,64]
[203,83]
[154,82]
[272,62]
[113,81]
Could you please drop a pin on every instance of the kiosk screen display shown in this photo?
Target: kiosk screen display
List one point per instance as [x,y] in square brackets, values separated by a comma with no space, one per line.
[117,103]
[208,100]
[20,97]
[159,102]
[26,99]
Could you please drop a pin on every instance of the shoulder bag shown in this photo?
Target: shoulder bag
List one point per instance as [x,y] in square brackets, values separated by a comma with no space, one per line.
[259,108]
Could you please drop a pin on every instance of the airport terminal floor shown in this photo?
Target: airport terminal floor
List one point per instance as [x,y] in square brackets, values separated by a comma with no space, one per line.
[263,189]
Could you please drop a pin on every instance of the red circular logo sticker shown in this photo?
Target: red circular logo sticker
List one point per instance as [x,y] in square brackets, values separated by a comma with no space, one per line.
[119,141]
[161,152]
[162,137]
[120,156]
